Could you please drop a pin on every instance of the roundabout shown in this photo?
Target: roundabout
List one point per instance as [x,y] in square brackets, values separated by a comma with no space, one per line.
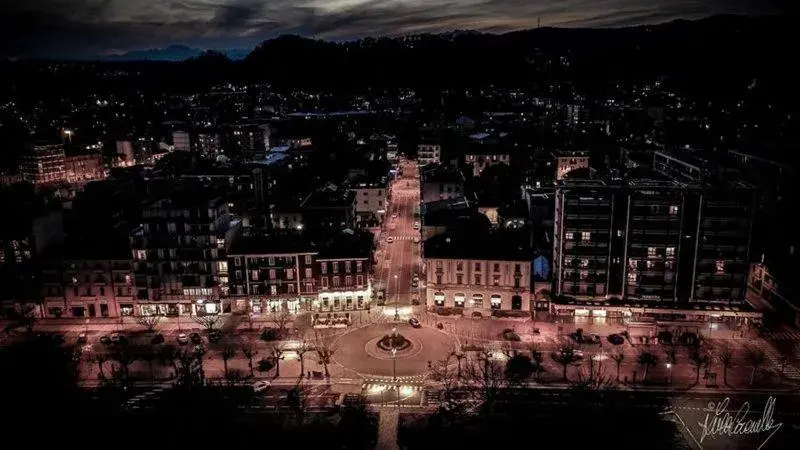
[368,350]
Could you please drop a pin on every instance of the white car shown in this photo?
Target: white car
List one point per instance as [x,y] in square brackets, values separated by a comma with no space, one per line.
[394,216]
[416,239]
[416,225]
[260,386]
[389,240]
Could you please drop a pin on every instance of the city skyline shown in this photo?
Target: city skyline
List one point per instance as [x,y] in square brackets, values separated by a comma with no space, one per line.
[61,29]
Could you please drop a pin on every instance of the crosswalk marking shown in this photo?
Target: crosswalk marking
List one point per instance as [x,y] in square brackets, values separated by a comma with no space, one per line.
[789,371]
[402,238]
[783,335]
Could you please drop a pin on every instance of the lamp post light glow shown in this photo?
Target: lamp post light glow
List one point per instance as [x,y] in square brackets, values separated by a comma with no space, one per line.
[669,367]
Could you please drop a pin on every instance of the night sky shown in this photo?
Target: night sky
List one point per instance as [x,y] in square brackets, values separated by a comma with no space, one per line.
[85,28]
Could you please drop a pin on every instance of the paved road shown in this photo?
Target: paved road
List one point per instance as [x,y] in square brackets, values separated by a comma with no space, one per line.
[395,271]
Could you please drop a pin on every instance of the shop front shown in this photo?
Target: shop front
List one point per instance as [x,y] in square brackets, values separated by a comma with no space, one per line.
[343,300]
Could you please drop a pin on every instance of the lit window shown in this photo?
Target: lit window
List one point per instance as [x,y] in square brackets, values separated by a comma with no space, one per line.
[670,252]
[720,266]
[651,264]
[673,210]
[271,274]
[632,277]
[584,262]
[273,290]
[584,274]
[586,236]
[496,301]
[651,252]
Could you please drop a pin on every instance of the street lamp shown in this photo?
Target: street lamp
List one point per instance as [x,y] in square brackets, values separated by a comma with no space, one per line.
[397,298]
[669,367]
[394,371]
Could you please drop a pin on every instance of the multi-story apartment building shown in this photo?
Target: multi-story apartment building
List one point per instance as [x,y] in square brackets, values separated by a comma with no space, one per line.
[441,183]
[179,254]
[477,273]
[429,152]
[331,207]
[245,141]
[272,273]
[370,197]
[569,160]
[344,265]
[84,168]
[287,271]
[44,164]
[482,157]
[88,279]
[181,141]
[668,243]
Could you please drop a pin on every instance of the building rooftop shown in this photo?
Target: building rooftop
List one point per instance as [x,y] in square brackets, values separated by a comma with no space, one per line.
[272,244]
[442,174]
[347,243]
[329,196]
[498,246]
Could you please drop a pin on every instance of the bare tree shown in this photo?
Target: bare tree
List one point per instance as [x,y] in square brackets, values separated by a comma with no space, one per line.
[324,345]
[756,358]
[100,359]
[249,352]
[647,360]
[227,353]
[28,317]
[190,373]
[208,322]
[726,359]
[699,360]
[281,318]
[487,374]
[297,403]
[458,356]
[671,354]
[453,403]
[618,358]
[150,323]
[277,354]
[124,359]
[565,357]
[303,346]
[592,377]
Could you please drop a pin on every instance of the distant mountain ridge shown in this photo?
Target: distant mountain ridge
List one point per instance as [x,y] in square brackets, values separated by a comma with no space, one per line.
[171,53]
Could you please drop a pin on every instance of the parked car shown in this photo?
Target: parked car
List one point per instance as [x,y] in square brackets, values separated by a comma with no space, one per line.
[416,225]
[115,337]
[196,338]
[414,322]
[414,283]
[616,339]
[105,340]
[183,339]
[260,386]
[416,239]
[389,240]
[83,338]
[157,339]
[394,216]
[415,301]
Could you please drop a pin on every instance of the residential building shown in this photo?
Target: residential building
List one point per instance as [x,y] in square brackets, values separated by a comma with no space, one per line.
[179,253]
[370,198]
[664,242]
[569,160]
[429,152]
[482,156]
[92,278]
[344,265]
[441,183]
[43,164]
[245,141]
[271,273]
[81,169]
[477,272]
[331,207]
[181,141]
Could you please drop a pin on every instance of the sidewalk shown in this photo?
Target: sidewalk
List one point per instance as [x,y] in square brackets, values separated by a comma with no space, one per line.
[387,428]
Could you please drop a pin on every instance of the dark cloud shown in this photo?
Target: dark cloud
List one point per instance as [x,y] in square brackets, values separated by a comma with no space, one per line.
[66,28]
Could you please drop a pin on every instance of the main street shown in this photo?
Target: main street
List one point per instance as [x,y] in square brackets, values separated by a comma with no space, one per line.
[399,254]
